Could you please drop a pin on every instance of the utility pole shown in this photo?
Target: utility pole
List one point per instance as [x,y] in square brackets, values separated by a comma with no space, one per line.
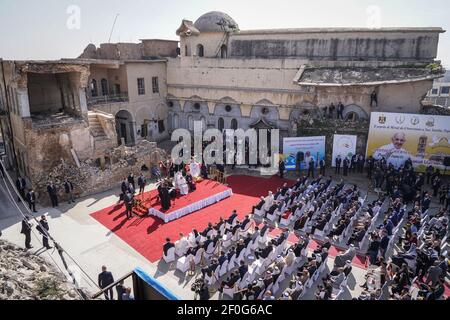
[112,29]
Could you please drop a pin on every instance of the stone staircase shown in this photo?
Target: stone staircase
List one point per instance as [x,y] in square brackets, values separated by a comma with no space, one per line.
[96,127]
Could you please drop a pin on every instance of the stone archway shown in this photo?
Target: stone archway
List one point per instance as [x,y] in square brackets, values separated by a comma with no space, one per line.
[355,112]
[125,126]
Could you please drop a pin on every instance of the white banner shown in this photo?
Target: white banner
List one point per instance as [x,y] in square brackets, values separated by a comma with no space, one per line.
[343,145]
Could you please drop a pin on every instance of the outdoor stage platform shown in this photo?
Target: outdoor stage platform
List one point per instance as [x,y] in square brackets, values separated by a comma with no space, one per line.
[208,193]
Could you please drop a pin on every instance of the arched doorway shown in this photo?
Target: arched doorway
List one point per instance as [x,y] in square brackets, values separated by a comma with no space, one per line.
[223,51]
[220,124]
[234,124]
[175,121]
[125,127]
[190,121]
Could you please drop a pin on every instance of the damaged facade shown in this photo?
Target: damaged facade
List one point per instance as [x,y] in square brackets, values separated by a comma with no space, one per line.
[77,112]
[228,77]
[73,113]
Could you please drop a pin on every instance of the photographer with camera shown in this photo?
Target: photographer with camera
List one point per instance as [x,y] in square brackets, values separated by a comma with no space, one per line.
[201,289]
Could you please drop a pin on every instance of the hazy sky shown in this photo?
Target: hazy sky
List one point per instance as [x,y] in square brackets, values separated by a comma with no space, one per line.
[39,29]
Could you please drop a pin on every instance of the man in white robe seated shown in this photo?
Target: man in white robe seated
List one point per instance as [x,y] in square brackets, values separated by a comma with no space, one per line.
[195,169]
[269,201]
[181,184]
[181,246]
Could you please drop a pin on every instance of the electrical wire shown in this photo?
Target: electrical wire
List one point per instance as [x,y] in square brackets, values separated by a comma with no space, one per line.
[7,178]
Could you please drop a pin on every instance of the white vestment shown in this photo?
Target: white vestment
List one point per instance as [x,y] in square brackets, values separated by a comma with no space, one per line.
[269,201]
[180,183]
[394,156]
[181,246]
[194,167]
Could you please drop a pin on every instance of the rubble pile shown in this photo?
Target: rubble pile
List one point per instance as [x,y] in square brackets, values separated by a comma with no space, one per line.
[24,276]
[92,177]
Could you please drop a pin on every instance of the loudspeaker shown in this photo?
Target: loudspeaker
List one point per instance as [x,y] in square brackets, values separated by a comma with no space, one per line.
[300,156]
[447,161]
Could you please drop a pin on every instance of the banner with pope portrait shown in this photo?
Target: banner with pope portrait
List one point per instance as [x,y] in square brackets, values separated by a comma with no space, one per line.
[398,137]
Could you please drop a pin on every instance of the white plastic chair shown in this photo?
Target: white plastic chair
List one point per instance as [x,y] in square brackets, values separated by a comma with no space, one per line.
[183,264]
[229,291]
[170,257]
[223,269]
[232,262]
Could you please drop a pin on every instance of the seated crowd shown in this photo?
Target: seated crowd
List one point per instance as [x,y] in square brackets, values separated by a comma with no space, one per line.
[406,249]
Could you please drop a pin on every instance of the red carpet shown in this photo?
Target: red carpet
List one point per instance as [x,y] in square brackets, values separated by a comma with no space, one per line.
[147,235]
[204,190]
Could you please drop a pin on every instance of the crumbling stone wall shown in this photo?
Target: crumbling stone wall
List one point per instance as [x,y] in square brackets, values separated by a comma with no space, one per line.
[91,177]
[330,127]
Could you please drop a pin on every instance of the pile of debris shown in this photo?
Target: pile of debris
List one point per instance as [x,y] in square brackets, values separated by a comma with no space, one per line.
[92,177]
[24,276]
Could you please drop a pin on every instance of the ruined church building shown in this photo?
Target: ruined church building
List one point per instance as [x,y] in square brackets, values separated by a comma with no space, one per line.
[77,109]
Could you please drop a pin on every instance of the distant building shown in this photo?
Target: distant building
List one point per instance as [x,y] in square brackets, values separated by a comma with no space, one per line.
[440,93]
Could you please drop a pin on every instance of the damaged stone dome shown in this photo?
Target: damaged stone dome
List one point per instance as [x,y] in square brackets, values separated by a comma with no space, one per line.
[216,21]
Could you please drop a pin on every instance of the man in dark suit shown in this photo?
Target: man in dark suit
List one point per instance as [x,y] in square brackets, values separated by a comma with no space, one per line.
[264,229]
[272,208]
[167,246]
[31,199]
[68,188]
[322,166]
[232,217]
[26,230]
[346,165]
[141,183]
[244,224]
[281,168]
[222,258]
[129,203]
[21,185]
[131,180]
[426,203]
[43,228]
[338,165]
[105,279]
[243,268]
[53,194]
[259,205]
[311,168]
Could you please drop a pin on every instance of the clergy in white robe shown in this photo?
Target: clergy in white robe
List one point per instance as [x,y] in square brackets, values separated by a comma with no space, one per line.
[181,246]
[195,169]
[269,201]
[181,184]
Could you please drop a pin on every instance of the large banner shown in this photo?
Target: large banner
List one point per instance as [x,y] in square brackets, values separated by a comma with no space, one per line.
[343,145]
[301,150]
[397,137]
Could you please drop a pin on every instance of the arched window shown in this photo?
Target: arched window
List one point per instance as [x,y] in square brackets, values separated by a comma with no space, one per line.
[190,123]
[104,84]
[203,120]
[234,124]
[186,53]
[223,51]
[94,89]
[221,124]
[176,121]
[200,50]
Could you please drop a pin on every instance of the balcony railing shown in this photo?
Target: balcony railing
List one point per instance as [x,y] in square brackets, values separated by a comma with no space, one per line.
[112,98]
